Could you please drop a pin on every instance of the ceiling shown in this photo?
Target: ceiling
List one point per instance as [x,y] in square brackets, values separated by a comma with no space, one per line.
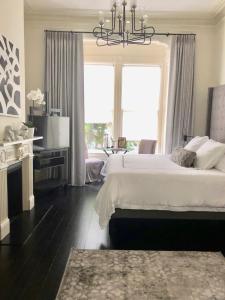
[208,7]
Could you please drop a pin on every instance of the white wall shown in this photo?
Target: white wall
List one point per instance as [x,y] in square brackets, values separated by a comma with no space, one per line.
[219,56]
[34,43]
[12,26]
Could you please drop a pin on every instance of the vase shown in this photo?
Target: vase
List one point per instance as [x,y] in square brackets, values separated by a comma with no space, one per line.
[30,133]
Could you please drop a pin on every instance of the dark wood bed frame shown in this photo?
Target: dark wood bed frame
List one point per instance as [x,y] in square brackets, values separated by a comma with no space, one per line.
[216,131]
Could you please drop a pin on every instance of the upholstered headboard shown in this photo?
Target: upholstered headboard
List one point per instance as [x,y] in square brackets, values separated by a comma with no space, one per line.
[216,115]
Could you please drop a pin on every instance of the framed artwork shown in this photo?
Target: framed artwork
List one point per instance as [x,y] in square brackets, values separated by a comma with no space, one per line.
[10,89]
[122,142]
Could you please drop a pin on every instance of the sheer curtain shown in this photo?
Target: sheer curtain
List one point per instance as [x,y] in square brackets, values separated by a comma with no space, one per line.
[181,86]
[64,86]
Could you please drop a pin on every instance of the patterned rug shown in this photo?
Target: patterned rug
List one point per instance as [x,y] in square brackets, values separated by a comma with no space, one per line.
[143,275]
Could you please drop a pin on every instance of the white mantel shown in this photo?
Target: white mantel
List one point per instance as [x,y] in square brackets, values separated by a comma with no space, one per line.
[11,153]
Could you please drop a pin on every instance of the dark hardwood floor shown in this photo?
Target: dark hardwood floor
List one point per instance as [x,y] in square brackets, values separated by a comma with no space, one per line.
[34,256]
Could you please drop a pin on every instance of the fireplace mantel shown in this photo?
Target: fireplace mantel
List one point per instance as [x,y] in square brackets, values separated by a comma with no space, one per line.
[5,144]
[11,153]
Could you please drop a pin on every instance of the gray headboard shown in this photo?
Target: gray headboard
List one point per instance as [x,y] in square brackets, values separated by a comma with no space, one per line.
[216,115]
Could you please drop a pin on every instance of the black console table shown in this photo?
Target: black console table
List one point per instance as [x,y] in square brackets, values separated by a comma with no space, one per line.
[50,169]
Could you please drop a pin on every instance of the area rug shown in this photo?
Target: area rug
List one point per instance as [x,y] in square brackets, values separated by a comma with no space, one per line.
[143,275]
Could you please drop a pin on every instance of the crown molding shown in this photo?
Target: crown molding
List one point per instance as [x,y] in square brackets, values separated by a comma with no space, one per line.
[201,18]
[219,8]
[220,13]
[197,18]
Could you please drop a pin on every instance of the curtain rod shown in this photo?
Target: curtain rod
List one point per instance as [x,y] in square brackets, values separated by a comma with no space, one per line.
[90,32]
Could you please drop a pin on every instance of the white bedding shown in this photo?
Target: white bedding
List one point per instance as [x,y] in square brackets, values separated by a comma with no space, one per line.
[154,182]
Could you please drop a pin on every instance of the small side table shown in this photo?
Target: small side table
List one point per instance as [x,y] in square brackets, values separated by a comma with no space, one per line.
[109,151]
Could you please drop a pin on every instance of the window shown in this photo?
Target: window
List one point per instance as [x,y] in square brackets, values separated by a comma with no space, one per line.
[121,100]
[99,103]
[140,102]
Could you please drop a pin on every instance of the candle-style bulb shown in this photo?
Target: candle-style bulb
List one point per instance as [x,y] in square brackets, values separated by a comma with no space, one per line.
[113,4]
[120,11]
[133,3]
[118,3]
[101,18]
[145,17]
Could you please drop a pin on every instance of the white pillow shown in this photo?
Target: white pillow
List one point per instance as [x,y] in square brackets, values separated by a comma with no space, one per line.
[209,155]
[196,143]
[221,164]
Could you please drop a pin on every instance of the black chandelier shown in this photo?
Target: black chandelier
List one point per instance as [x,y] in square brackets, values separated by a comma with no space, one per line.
[123,30]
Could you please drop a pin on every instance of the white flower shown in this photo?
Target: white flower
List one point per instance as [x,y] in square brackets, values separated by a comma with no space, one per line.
[36,96]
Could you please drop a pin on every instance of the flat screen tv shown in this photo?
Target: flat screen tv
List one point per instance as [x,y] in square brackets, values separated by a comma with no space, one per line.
[54,129]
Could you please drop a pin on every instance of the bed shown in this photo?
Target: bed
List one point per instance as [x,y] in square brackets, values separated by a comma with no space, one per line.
[153,187]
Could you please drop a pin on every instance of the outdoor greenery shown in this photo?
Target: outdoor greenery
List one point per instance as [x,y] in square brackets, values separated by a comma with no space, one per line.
[29,124]
[132,145]
[95,132]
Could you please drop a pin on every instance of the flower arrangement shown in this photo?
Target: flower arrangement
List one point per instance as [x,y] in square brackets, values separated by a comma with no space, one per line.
[36,96]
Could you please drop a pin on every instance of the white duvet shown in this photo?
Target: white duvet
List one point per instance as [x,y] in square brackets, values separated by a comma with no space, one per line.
[154,182]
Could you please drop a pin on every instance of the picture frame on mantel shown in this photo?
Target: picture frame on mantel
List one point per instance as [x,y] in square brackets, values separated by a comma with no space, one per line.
[10,77]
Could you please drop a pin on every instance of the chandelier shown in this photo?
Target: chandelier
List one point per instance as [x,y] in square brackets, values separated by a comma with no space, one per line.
[124,30]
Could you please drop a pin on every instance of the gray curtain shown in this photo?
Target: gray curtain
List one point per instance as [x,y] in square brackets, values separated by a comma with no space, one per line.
[181,86]
[64,86]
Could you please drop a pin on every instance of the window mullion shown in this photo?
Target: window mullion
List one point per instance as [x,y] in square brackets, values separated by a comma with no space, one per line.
[118,116]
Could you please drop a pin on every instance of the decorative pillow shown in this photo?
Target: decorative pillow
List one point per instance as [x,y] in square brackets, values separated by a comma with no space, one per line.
[221,164]
[183,157]
[196,143]
[209,155]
